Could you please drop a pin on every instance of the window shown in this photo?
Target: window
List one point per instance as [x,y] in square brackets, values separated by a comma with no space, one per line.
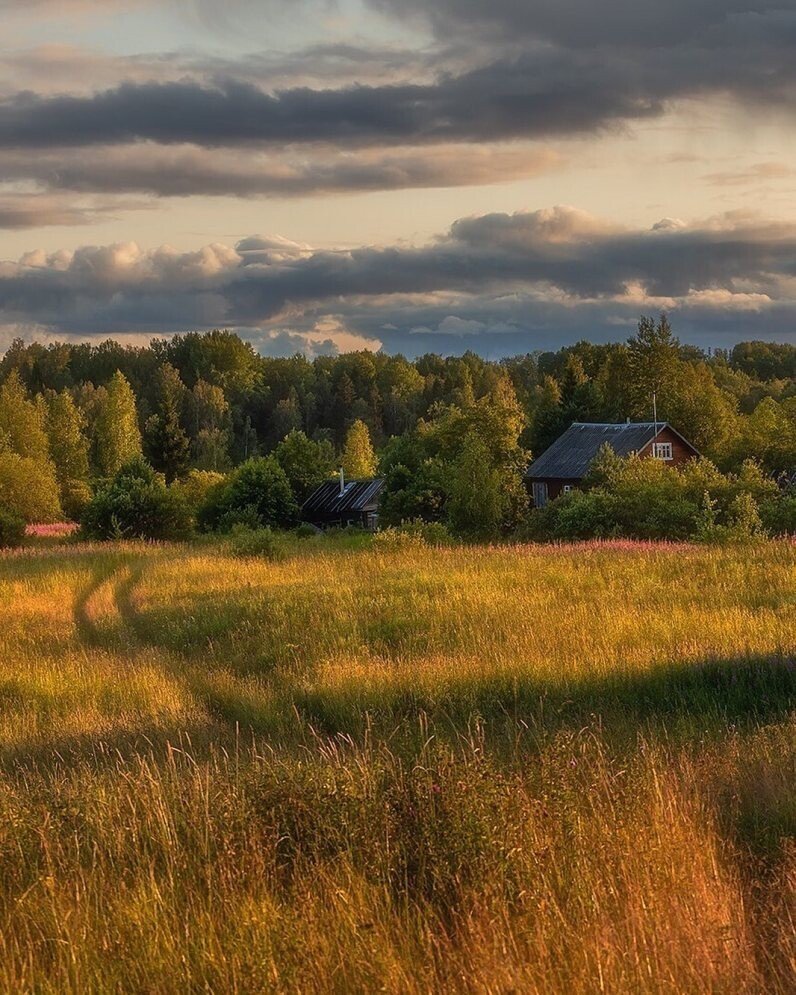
[567,488]
[662,450]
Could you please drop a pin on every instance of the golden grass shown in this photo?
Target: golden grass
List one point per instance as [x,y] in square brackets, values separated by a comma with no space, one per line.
[470,770]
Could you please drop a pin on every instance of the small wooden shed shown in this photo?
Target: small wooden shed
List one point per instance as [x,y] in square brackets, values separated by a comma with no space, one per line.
[344,502]
[564,465]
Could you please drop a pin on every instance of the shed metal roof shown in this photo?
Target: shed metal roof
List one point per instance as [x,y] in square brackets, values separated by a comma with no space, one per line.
[357,496]
[571,454]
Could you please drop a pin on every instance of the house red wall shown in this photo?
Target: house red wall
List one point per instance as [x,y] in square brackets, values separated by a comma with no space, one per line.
[681,452]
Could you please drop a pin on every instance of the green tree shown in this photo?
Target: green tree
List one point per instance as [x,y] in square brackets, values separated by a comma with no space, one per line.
[22,427]
[476,500]
[136,504]
[652,365]
[257,493]
[306,463]
[359,460]
[167,442]
[28,488]
[211,427]
[69,447]
[118,439]
[549,417]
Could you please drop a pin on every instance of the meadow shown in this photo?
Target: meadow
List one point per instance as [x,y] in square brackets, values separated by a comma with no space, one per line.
[387,767]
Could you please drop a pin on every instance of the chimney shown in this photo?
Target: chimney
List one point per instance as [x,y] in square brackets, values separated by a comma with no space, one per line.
[342,481]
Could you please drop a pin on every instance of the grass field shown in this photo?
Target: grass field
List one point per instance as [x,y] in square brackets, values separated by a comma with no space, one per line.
[533,769]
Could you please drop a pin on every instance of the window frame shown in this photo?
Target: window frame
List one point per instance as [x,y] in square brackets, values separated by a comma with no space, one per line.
[663,451]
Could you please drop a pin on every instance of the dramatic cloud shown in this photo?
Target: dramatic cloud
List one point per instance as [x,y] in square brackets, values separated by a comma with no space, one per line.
[546,91]
[188,171]
[583,23]
[652,106]
[495,277]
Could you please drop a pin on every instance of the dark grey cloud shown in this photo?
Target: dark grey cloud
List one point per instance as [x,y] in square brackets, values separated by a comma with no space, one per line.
[188,171]
[490,279]
[524,99]
[585,23]
[548,90]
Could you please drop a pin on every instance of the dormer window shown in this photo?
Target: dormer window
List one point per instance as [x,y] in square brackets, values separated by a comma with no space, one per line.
[662,450]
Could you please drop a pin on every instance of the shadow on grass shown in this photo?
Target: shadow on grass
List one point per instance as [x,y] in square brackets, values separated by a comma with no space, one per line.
[686,699]
[679,702]
[107,749]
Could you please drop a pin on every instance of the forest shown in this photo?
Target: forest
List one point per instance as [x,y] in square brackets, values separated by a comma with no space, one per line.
[200,416]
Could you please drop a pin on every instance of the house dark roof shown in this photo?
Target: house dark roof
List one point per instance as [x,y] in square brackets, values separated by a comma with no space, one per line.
[357,496]
[571,454]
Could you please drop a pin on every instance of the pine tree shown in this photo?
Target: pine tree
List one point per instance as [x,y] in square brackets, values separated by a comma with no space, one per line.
[359,459]
[653,364]
[118,439]
[167,442]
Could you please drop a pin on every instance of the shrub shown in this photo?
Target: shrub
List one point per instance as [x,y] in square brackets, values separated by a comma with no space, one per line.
[779,516]
[394,538]
[431,533]
[257,493]
[75,497]
[743,519]
[136,504]
[261,543]
[245,518]
[12,529]
[195,487]
[305,531]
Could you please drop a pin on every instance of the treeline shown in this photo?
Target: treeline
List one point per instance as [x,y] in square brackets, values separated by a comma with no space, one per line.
[452,434]
[232,403]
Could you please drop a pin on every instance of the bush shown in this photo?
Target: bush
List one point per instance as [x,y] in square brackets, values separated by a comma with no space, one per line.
[195,487]
[261,543]
[742,521]
[75,497]
[305,531]
[136,504]
[257,494]
[779,516]
[413,535]
[394,539]
[432,533]
[12,529]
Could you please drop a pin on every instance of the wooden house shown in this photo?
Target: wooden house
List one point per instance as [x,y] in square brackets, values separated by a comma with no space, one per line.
[565,464]
[343,503]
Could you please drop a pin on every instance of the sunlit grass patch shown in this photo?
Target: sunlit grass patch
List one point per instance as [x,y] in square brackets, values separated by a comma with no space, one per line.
[537,769]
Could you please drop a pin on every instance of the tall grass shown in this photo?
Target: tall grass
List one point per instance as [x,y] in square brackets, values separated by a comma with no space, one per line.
[528,769]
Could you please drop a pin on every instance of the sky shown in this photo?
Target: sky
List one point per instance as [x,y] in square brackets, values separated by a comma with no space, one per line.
[329,175]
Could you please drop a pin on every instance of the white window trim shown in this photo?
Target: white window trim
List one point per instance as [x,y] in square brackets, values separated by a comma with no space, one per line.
[662,451]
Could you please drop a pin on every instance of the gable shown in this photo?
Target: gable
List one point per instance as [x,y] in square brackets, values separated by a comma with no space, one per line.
[572,453]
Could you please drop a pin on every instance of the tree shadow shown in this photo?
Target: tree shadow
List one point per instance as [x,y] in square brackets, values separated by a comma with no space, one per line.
[679,700]
[109,749]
